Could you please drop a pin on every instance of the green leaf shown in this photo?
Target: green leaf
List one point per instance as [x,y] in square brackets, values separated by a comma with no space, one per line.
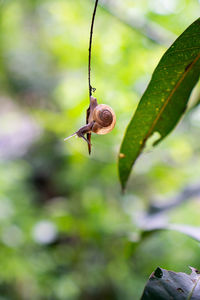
[165,98]
[165,285]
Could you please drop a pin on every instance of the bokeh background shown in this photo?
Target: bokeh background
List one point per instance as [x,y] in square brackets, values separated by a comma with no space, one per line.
[66,230]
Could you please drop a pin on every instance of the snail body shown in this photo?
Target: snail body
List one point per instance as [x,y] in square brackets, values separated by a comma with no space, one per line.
[101,120]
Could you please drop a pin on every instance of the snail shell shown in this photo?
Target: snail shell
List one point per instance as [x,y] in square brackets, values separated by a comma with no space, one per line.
[104,119]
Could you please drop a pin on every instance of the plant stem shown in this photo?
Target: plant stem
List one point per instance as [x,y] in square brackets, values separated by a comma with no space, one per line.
[90,48]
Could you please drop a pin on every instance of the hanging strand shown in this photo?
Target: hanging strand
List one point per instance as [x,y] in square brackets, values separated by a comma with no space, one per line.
[90,48]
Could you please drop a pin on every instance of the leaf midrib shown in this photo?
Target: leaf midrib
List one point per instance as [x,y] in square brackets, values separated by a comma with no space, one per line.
[191,293]
[169,98]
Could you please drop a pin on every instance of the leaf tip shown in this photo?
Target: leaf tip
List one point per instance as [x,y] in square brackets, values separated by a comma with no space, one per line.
[158,273]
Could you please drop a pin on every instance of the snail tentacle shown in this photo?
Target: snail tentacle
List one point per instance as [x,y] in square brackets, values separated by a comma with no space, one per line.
[101,119]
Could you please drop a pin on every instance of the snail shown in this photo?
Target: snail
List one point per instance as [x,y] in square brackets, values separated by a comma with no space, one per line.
[101,119]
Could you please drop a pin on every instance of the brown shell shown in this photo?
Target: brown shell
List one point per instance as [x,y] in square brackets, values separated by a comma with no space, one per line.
[104,119]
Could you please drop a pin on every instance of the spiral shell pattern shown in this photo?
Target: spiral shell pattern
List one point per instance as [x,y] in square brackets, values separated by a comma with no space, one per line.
[104,118]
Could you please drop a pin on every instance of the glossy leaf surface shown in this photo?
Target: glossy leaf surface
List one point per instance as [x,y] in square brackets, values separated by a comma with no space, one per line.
[165,98]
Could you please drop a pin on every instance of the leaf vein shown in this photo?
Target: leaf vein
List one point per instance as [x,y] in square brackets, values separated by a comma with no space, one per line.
[182,50]
[191,293]
[169,98]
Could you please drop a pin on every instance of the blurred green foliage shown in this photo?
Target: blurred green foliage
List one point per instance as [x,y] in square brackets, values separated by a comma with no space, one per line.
[66,231]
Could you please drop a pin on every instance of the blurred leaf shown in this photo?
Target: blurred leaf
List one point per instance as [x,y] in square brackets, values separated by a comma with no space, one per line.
[165,99]
[170,203]
[167,285]
[191,231]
